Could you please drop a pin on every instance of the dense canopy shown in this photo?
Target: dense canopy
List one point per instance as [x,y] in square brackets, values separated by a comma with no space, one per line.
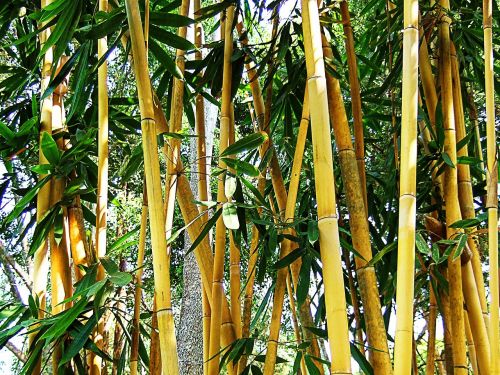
[248,187]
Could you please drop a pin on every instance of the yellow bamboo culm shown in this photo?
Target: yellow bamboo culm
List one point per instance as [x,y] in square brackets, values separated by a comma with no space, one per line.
[40,259]
[202,174]
[220,229]
[407,194]
[453,213]
[153,182]
[60,275]
[475,321]
[78,239]
[335,303]
[492,187]
[359,142]
[353,186]
[134,346]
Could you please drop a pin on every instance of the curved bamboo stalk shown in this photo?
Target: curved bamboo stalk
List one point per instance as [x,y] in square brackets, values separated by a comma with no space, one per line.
[153,182]
[407,194]
[492,187]
[134,346]
[40,260]
[335,303]
[453,213]
[359,141]
[375,327]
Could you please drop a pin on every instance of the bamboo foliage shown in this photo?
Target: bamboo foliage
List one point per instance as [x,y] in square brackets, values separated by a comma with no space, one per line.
[407,193]
[492,187]
[325,192]
[153,184]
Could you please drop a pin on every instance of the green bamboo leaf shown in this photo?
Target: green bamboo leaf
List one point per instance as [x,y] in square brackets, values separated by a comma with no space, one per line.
[466,223]
[290,258]
[229,186]
[421,244]
[241,166]
[250,142]
[164,58]
[447,160]
[312,231]
[304,279]
[461,242]
[50,149]
[206,228]
[170,39]
[169,19]
[79,340]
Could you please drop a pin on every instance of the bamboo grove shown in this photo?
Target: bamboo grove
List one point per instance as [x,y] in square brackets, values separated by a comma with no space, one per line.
[249,187]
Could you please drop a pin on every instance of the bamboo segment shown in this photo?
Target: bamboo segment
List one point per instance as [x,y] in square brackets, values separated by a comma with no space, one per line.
[492,187]
[357,112]
[286,246]
[153,182]
[154,352]
[375,327]
[134,346]
[40,260]
[102,176]
[335,303]
[220,229]
[453,213]
[471,348]
[407,195]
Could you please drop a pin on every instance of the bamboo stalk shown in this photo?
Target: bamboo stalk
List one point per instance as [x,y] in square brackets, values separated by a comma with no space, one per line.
[359,142]
[40,260]
[335,303]
[375,327]
[492,187]
[134,346]
[220,229]
[453,213]
[204,258]
[203,175]
[471,348]
[78,239]
[154,354]
[153,182]
[431,324]
[407,194]
[477,324]
[118,334]
[60,277]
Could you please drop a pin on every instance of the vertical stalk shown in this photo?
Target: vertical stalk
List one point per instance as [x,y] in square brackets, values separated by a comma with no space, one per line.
[154,353]
[492,187]
[40,261]
[161,262]
[407,194]
[333,278]
[78,239]
[134,346]
[375,327]
[431,324]
[359,142]
[453,213]
[477,324]
[220,229]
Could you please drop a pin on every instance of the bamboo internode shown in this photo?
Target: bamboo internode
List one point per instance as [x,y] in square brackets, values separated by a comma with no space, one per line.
[407,193]
[335,304]
[153,182]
